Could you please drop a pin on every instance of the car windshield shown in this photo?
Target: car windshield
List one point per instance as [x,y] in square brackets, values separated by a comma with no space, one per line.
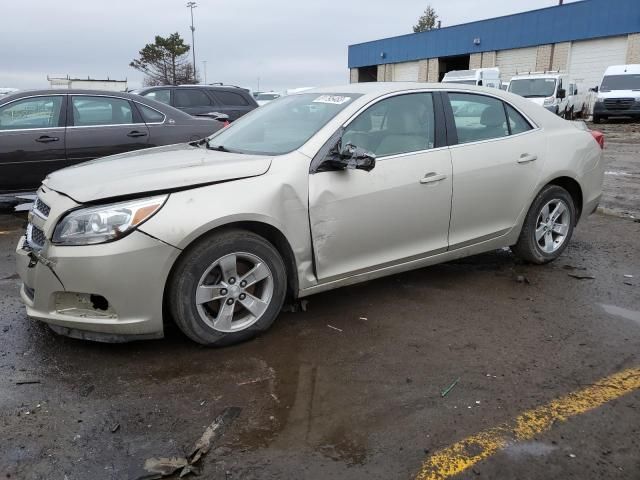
[281,126]
[533,87]
[620,82]
[267,96]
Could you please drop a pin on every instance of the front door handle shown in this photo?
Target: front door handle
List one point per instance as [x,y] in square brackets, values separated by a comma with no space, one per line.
[432,178]
[136,133]
[527,158]
[47,139]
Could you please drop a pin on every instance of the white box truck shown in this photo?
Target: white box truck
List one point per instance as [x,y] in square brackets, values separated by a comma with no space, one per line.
[483,77]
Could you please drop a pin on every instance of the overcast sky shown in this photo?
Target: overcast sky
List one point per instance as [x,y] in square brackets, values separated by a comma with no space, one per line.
[285,43]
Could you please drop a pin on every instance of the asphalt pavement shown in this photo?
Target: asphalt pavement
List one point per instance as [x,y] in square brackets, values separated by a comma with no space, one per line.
[534,370]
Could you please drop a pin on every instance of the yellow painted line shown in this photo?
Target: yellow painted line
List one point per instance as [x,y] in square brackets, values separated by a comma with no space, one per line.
[464,454]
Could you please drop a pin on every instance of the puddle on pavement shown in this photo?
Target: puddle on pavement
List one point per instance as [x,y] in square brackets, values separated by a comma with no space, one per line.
[622,312]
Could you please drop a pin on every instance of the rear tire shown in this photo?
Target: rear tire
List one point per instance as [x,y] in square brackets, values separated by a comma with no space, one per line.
[227,288]
[548,226]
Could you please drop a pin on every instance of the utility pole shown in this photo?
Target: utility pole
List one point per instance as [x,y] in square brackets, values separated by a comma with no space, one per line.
[204,62]
[192,5]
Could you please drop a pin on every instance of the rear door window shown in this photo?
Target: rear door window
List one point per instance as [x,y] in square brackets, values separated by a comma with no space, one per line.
[230,99]
[478,117]
[188,97]
[93,111]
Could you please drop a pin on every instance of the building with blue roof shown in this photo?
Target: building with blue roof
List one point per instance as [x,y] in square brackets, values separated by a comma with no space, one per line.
[581,38]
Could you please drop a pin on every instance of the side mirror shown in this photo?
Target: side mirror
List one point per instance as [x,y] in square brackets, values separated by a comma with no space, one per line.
[562,93]
[595,89]
[357,158]
[347,157]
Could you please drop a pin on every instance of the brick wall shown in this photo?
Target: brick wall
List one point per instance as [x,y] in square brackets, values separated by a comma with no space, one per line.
[633,48]
[543,58]
[423,72]
[561,56]
[475,61]
[488,59]
[434,70]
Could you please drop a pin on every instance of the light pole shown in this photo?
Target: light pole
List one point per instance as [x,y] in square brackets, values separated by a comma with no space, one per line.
[192,5]
[204,62]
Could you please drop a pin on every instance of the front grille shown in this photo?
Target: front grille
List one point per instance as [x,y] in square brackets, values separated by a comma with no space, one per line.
[41,208]
[618,103]
[35,237]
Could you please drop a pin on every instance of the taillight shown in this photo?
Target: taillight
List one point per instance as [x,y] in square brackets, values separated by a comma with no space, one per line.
[599,137]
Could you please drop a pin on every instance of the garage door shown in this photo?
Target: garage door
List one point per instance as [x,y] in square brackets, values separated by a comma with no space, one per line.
[519,60]
[406,72]
[589,59]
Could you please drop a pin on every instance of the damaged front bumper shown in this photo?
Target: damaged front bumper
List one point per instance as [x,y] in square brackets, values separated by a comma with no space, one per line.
[108,292]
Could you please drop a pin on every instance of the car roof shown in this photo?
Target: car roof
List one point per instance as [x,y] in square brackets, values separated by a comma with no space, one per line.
[164,108]
[231,88]
[623,69]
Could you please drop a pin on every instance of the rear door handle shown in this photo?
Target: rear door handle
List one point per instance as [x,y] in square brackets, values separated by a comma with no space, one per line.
[136,133]
[432,178]
[47,139]
[527,158]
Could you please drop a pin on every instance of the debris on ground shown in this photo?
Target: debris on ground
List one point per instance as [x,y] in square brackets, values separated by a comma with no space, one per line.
[164,467]
[628,276]
[27,382]
[115,428]
[295,307]
[522,279]
[334,328]
[446,391]
[364,318]
[581,276]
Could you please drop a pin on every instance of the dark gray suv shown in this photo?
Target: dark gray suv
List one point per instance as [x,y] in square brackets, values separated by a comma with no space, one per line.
[203,100]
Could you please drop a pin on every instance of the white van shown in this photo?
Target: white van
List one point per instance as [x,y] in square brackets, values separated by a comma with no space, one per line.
[483,77]
[551,90]
[618,94]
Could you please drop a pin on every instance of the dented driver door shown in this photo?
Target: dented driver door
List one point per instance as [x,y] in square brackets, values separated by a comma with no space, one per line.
[397,212]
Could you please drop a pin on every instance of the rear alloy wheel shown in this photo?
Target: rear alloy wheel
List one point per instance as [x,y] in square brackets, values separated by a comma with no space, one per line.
[548,226]
[228,288]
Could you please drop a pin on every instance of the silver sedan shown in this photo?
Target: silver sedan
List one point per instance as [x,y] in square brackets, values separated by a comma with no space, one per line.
[314,191]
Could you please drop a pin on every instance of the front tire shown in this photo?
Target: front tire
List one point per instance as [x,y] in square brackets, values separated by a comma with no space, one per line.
[548,226]
[227,288]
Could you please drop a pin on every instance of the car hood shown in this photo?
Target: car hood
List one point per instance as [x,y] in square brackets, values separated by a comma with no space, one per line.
[537,100]
[153,170]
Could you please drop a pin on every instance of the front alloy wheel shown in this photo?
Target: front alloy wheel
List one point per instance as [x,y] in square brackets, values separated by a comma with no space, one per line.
[227,287]
[234,292]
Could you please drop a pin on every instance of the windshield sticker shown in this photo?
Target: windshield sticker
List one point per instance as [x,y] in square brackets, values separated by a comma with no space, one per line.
[332,99]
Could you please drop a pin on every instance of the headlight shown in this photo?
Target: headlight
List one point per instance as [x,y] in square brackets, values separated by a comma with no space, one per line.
[549,101]
[104,223]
